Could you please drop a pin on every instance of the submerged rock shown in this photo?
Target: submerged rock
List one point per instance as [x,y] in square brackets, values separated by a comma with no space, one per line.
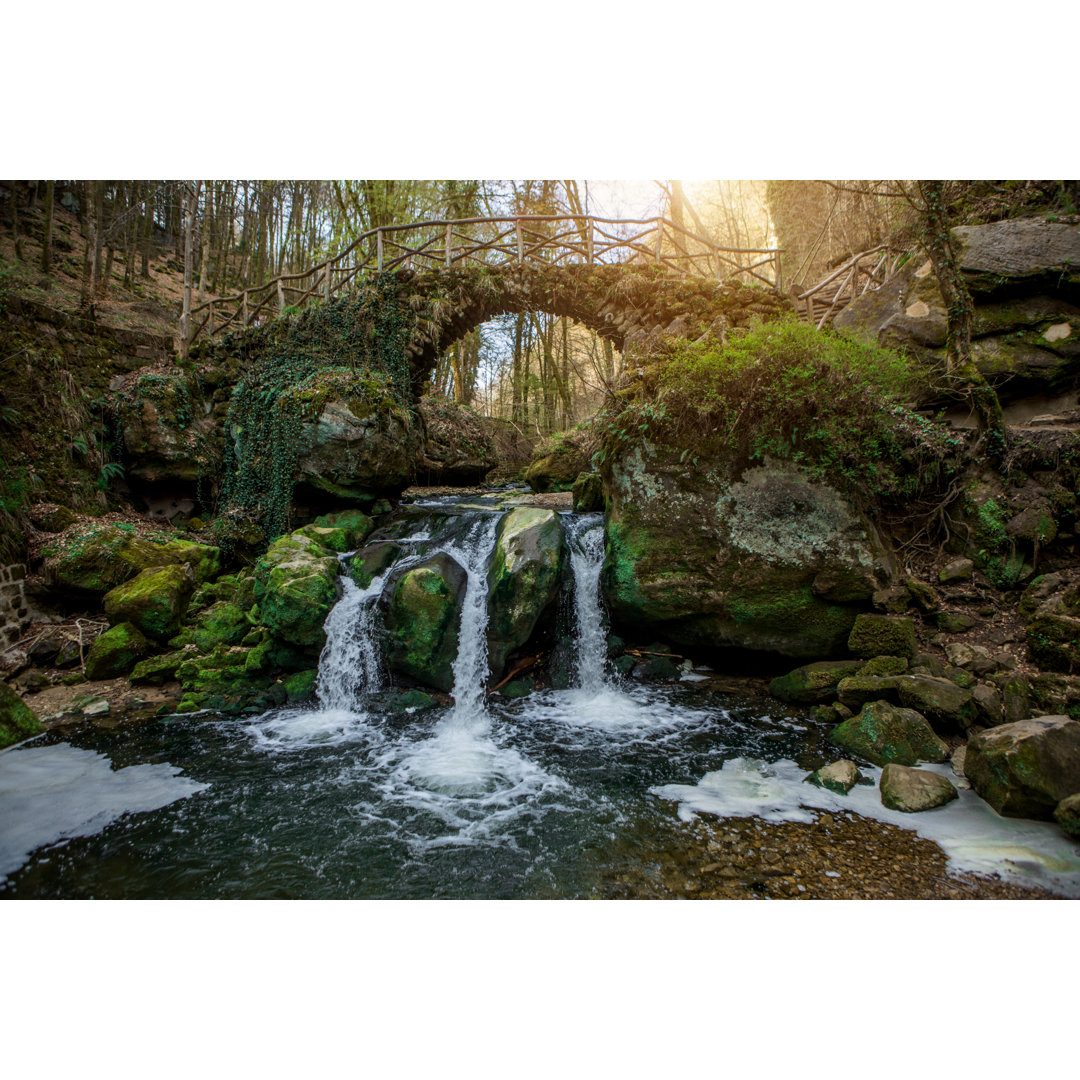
[914,790]
[422,611]
[774,561]
[1025,769]
[17,719]
[523,581]
[883,734]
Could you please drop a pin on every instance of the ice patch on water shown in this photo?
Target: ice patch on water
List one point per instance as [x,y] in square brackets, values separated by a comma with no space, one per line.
[967,829]
[51,793]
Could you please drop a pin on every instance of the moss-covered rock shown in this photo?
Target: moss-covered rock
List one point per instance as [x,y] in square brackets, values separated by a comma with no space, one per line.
[523,580]
[883,635]
[912,791]
[556,465]
[356,525]
[882,733]
[327,537]
[373,561]
[588,493]
[813,683]
[1067,815]
[115,652]
[204,560]
[94,558]
[17,719]
[295,588]
[884,665]
[1025,769]
[771,561]
[154,600]
[223,623]
[940,700]
[1053,641]
[300,685]
[422,612]
[156,670]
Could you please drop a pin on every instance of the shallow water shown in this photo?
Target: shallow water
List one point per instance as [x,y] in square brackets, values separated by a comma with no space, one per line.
[485,798]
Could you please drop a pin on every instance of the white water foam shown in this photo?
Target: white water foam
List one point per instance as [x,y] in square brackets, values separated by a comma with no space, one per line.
[967,829]
[51,793]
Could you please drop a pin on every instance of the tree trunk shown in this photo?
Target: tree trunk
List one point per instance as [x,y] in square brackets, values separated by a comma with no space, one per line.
[99,235]
[190,198]
[46,236]
[958,306]
[204,252]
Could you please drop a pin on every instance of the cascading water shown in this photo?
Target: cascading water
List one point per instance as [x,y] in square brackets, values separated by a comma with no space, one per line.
[349,666]
[586,540]
[489,797]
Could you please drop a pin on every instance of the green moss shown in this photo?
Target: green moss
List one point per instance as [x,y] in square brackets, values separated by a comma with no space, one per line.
[115,652]
[17,719]
[155,600]
[881,734]
[883,635]
[301,685]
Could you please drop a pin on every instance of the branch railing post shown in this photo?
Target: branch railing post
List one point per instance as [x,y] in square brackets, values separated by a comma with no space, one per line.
[379,250]
[244,308]
[449,243]
[520,242]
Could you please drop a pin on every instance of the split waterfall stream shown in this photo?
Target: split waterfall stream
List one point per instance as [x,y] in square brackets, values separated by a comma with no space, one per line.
[548,795]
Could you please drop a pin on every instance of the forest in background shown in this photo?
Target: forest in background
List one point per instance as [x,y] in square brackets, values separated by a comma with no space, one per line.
[128,238]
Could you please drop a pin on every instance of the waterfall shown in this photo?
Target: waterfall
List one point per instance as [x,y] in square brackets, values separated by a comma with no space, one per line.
[471,663]
[586,536]
[349,666]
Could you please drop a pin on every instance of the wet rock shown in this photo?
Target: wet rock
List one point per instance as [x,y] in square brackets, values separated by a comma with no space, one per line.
[839,777]
[956,762]
[1067,814]
[883,635]
[772,561]
[1025,769]
[813,683]
[523,580]
[355,525]
[115,652]
[372,561]
[154,600]
[295,588]
[882,733]
[914,790]
[422,611]
[588,493]
[956,570]
[300,685]
[17,719]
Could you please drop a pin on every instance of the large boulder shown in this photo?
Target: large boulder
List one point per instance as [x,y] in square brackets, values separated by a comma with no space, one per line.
[457,448]
[295,588]
[94,558]
[115,652]
[373,561]
[774,561]
[422,613]
[167,435]
[556,464]
[914,790]
[938,698]
[1022,274]
[17,719]
[204,559]
[359,449]
[523,581]
[1025,769]
[882,733]
[154,600]
[883,635]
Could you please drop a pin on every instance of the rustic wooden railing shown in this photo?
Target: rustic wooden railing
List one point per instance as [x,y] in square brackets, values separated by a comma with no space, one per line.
[551,240]
[862,273]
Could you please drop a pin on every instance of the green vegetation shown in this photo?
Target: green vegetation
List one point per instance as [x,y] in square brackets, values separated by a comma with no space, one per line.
[824,401]
[352,349]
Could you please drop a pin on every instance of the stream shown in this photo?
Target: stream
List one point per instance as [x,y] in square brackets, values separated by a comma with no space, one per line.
[488,797]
